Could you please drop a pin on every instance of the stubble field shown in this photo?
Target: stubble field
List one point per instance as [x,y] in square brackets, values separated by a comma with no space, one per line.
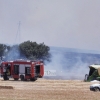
[44,89]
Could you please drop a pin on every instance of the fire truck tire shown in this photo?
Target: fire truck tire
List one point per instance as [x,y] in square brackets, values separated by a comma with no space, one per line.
[40,76]
[33,79]
[5,77]
[25,79]
[22,77]
[16,79]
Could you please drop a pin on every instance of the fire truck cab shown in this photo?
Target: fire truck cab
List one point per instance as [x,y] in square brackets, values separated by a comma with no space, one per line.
[22,69]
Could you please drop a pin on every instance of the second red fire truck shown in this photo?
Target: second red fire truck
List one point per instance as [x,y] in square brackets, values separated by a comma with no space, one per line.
[22,69]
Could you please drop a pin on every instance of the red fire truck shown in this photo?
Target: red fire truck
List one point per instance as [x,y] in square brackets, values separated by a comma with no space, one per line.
[22,69]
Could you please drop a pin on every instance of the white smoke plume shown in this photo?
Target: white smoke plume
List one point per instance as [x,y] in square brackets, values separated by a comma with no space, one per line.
[13,54]
[63,65]
[68,65]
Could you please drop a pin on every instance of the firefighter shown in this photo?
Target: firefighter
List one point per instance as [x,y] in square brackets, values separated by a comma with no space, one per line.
[5,73]
[8,70]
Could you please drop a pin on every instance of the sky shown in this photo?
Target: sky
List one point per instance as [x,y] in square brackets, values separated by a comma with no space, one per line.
[60,23]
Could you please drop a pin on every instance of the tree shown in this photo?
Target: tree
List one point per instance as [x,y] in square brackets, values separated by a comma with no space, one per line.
[4,49]
[34,51]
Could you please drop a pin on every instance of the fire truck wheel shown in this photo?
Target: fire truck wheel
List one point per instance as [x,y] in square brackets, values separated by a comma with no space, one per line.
[40,76]
[25,79]
[16,79]
[5,77]
[33,79]
[22,77]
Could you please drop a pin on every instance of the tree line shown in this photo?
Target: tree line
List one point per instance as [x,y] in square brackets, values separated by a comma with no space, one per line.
[28,49]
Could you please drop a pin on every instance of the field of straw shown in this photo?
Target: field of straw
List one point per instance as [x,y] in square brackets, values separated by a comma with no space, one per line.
[45,89]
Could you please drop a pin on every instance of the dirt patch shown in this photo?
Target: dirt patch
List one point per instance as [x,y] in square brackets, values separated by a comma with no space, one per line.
[6,87]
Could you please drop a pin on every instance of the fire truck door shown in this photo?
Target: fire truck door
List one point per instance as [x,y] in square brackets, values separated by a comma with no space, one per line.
[21,69]
[37,69]
[27,70]
[16,69]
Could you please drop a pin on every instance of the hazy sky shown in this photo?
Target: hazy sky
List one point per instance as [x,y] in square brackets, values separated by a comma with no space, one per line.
[61,23]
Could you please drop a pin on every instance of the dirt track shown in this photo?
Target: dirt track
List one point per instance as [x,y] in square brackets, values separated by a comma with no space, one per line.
[44,89]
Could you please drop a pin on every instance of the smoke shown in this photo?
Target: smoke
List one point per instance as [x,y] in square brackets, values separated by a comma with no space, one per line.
[63,65]
[69,65]
[13,54]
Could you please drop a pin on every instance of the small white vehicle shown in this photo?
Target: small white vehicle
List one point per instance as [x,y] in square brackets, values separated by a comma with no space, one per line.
[95,87]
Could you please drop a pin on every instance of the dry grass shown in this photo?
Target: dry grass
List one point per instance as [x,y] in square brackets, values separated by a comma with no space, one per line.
[43,89]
